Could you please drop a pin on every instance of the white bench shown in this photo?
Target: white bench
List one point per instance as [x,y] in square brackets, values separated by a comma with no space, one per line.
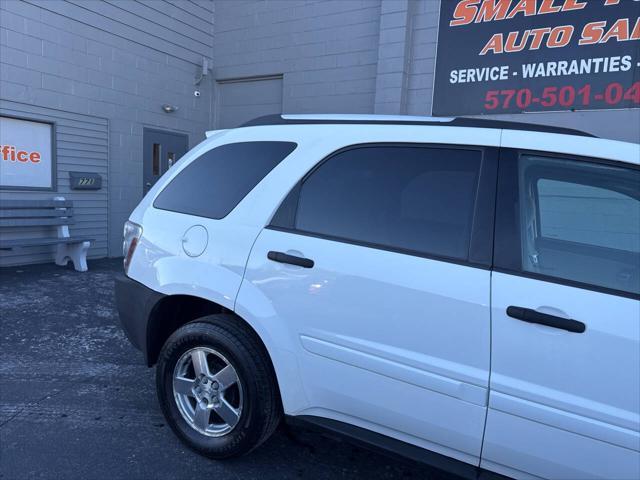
[56,212]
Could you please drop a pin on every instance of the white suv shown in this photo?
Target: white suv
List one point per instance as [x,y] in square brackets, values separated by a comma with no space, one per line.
[462,291]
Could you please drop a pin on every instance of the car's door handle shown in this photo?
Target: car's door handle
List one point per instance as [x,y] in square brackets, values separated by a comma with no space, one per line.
[281,257]
[532,316]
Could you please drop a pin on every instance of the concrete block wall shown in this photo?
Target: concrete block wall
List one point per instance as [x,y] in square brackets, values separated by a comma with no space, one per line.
[118,61]
[115,62]
[327,51]
[358,56]
[424,36]
[394,56]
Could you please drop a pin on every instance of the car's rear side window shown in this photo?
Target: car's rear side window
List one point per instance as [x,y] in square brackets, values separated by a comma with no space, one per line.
[214,183]
[408,198]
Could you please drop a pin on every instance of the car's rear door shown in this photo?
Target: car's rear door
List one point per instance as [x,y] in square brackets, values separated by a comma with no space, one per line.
[565,365]
[378,266]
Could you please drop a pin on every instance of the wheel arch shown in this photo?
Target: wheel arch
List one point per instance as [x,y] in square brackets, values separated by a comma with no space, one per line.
[169,314]
[173,311]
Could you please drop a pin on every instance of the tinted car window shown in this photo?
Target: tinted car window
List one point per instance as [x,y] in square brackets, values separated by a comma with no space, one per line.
[409,198]
[580,221]
[214,183]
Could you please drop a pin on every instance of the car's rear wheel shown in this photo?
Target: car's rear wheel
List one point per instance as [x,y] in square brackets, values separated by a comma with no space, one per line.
[217,388]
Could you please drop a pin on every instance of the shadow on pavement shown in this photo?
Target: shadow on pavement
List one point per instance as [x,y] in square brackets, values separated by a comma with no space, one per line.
[77,402]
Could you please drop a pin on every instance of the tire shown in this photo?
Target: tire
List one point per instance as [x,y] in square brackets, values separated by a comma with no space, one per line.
[221,338]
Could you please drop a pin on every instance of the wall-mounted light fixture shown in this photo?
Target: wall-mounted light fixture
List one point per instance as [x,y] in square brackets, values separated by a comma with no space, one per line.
[169,108]
[203,72]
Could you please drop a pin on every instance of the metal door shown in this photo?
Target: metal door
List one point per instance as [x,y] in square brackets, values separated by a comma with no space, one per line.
[241,100]
[162,150]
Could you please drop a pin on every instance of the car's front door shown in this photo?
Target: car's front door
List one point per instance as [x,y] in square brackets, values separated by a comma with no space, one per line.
[565,356]
[378,263]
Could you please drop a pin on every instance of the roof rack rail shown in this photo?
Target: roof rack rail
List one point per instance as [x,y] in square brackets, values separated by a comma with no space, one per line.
[339,119]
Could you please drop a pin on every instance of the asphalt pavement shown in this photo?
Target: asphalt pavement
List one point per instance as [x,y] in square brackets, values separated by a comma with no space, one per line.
[76,400]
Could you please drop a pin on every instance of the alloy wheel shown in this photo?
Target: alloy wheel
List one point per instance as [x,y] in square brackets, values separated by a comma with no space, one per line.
[207,391]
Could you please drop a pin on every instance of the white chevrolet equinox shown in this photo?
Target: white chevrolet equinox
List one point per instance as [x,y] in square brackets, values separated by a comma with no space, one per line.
[465,292]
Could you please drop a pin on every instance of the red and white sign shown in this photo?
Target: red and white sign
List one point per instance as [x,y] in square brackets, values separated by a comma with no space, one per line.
[26,154]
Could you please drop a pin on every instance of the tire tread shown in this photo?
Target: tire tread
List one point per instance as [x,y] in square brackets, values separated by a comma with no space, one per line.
[248,344]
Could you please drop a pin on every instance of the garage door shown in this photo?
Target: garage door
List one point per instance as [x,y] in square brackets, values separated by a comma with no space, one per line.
[241,100]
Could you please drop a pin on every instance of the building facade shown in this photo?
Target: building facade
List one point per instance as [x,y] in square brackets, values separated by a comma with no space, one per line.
[129,85]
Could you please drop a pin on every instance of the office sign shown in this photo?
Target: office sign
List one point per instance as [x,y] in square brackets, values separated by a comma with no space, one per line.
[26,154]
[511,56]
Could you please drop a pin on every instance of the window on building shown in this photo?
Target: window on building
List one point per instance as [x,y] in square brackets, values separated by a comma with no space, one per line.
[414,199]
[214,183]
[156,159]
